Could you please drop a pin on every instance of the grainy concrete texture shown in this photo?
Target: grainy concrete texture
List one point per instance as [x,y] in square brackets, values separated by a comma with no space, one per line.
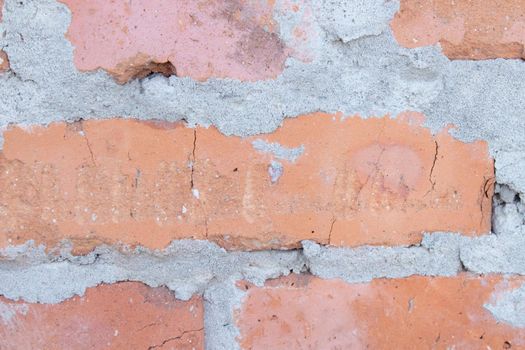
[275,99]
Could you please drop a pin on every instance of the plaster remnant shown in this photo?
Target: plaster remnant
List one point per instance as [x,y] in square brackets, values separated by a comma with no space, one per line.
[7,312]
[277,150]
[508,306]
[275,170]
[195,193]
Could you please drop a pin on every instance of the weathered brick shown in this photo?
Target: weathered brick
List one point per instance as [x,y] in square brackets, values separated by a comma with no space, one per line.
[224,39]
[343,181]
[4,61]
[475,29]
[373,181]
[120,316]
[99,182]
[302,312]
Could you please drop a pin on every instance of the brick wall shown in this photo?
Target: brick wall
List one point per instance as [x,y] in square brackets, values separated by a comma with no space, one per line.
[290,174]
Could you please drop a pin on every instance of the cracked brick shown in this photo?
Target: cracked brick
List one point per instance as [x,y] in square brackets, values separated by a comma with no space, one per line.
[378,181]
[304,312]
[118,316]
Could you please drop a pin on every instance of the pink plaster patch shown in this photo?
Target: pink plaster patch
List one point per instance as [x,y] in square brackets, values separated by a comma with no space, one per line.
[235,39]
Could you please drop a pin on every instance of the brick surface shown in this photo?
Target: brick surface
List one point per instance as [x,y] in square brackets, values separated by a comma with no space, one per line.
[99,182]
[121,316]
[301,312]
[4,61]
[350,181]
[475,29]
[199,39]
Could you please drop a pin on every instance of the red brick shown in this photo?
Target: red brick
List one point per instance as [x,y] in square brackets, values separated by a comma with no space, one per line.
[373,181]
[223,39]
[302,312]
[120,316]
[359,181]
[99,182]
[475,29]
[4,62]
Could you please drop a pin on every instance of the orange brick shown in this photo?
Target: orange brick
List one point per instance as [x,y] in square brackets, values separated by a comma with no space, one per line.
[302,312]
[224,39]
[99,182]
[4,62]
[359,181]
[475,29]
[121,316]
[373,181]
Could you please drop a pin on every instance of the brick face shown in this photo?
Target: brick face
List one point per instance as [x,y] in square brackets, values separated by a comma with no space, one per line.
[4,62]
[350,182]
[224,39]
[302,312]
[465,29]
[99,182]
[121,316]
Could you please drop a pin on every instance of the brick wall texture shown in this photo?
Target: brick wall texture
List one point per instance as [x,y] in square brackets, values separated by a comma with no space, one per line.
[262,174]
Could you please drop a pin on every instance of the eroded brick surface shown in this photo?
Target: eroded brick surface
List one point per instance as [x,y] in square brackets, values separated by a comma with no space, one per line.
[99,182]
[475,29]
[199,39]
[373,181]
[4,61]
[121,316]
[343,181]
[302,312]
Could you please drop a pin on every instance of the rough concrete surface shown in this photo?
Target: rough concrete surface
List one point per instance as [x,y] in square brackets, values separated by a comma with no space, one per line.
[356,67]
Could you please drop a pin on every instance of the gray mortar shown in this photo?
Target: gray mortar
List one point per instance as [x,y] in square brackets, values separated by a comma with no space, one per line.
[492,253]
[278,151]
[357,68]
[221,301]
[438,255]
[185,267]
[504,250]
